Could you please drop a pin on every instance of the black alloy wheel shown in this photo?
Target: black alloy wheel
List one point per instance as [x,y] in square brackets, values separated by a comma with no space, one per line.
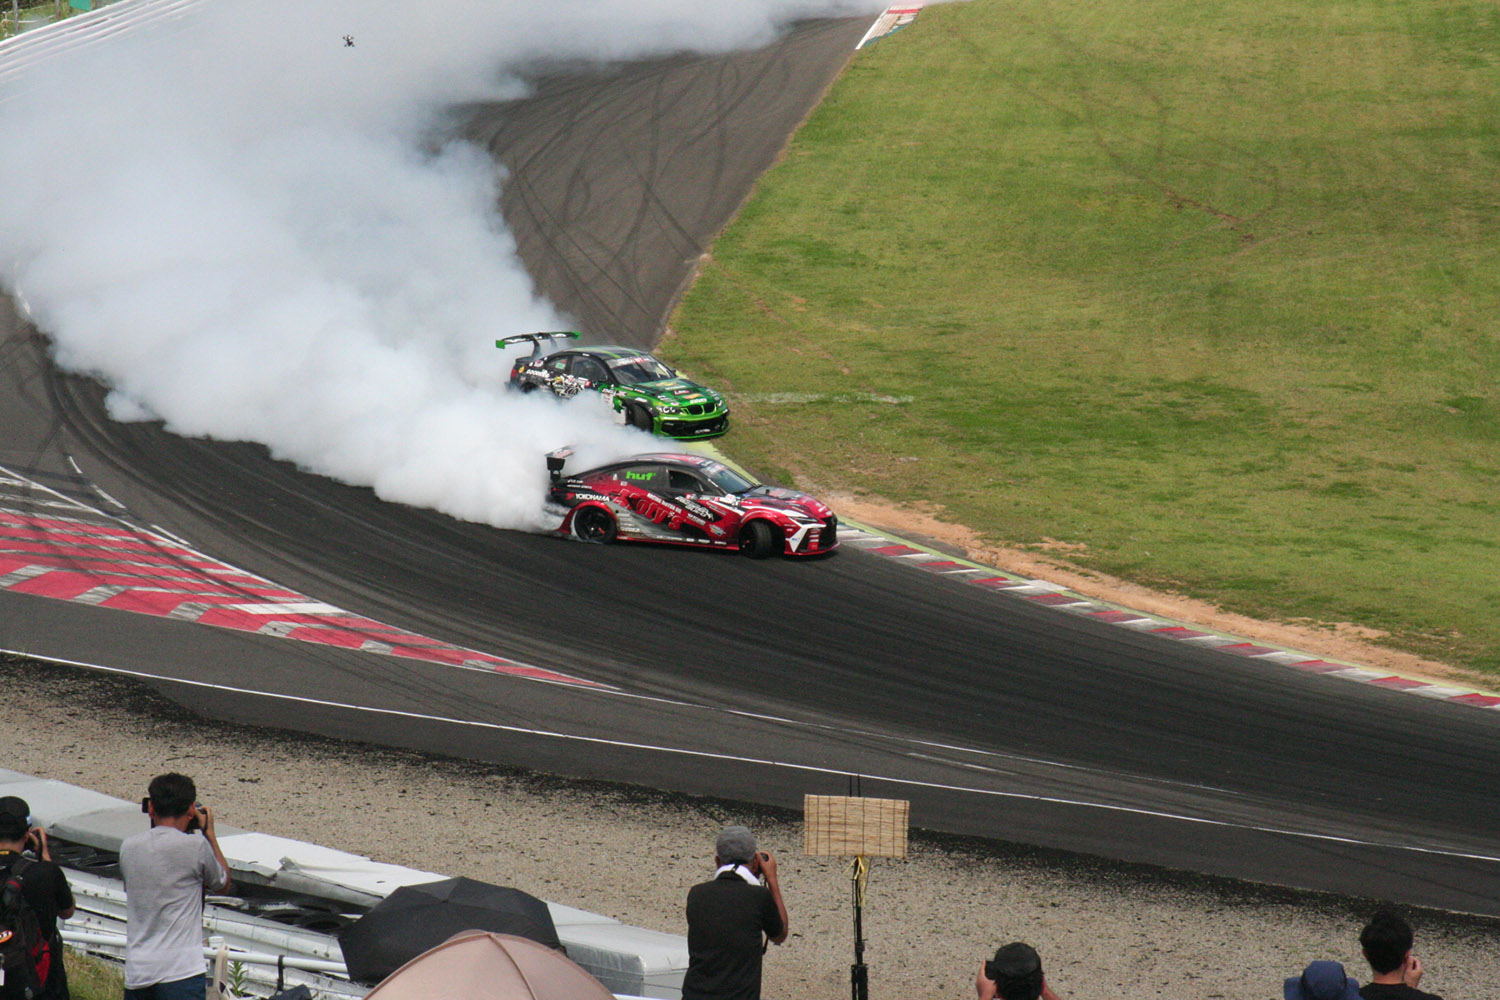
[758,540]
[594,525]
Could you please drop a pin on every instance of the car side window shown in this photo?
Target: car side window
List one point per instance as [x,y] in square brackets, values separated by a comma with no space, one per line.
[559,364]
[649,477]
[589,368]
[679,481]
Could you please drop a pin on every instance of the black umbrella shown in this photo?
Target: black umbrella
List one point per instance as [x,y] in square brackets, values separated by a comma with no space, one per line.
[415,918]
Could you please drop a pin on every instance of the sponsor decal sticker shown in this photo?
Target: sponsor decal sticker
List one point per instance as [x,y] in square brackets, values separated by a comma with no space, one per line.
[697,508]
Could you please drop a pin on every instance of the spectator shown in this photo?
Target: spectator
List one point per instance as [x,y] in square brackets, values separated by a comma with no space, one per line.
[166,870]
[14,805]
[43,884]
[1322,980]
[1386,941]
[1015,973]
[726,920]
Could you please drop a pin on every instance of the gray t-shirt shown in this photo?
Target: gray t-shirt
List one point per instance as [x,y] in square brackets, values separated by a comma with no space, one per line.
[165,873]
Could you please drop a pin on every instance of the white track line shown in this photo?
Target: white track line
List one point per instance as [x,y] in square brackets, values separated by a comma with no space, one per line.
[786,765]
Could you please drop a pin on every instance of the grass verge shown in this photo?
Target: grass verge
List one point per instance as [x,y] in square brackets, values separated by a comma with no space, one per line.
[1205,293]
[92,978]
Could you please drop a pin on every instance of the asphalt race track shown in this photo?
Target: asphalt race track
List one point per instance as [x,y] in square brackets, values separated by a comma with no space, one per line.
[620,179]
[749,680]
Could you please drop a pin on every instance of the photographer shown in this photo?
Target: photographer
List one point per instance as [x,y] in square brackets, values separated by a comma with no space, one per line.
[730,918]
[1015,973]
[166,871]
[1387,943]
[43,885]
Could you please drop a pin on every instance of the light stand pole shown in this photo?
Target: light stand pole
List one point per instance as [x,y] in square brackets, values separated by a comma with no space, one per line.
[858,828]
[859,973]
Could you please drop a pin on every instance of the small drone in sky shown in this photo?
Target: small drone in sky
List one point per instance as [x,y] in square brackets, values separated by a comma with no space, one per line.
[348,41]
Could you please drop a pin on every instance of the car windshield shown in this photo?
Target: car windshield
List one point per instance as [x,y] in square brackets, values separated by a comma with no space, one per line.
[641,368]
[725,478]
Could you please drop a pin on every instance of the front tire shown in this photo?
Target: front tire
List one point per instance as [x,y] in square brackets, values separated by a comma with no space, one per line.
[639,416]
[594,525]
[758,540]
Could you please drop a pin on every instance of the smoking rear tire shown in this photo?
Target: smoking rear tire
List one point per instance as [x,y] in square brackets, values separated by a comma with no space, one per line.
[639,416]
[759,540]
[594,525]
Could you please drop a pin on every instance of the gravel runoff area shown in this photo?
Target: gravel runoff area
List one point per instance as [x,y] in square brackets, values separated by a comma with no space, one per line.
[1103,929]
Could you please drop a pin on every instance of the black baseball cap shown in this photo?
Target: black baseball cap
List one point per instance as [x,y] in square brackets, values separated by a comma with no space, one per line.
[15,817]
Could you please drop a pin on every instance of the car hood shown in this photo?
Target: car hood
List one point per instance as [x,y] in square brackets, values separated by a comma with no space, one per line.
[793,501]
[674,388]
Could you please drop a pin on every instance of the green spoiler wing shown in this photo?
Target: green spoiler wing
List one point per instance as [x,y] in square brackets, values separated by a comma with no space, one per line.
[541,343]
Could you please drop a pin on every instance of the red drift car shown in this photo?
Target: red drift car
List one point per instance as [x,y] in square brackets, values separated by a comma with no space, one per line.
[688,500]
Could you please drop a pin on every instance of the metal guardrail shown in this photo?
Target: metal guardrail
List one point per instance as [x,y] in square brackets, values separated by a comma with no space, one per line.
[31,48]
[90,941]
[272,956]
[212,950]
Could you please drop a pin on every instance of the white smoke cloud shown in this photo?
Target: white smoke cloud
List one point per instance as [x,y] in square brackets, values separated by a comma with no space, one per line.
[247,231]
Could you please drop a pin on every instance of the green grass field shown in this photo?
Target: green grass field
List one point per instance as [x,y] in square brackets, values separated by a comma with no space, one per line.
[1208,288]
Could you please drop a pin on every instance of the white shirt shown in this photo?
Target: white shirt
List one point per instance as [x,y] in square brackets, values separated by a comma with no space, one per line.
[165,873]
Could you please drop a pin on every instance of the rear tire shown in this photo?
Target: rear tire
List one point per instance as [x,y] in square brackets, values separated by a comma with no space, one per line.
[594,525]
[758,540]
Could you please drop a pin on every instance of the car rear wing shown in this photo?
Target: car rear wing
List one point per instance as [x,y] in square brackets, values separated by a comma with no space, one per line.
[556,460]
[541,343]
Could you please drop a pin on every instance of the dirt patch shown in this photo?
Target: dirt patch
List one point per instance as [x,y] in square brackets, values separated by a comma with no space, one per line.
[1345,642]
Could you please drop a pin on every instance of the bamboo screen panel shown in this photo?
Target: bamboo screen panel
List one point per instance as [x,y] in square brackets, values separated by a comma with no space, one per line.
[846,826]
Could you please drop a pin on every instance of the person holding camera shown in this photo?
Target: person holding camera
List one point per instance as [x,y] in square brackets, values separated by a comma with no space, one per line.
[24,856]
[1387,943]
[166,870]
[730,918]
[1015,973]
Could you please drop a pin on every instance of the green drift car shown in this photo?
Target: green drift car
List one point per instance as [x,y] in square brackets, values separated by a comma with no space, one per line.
[645,392]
